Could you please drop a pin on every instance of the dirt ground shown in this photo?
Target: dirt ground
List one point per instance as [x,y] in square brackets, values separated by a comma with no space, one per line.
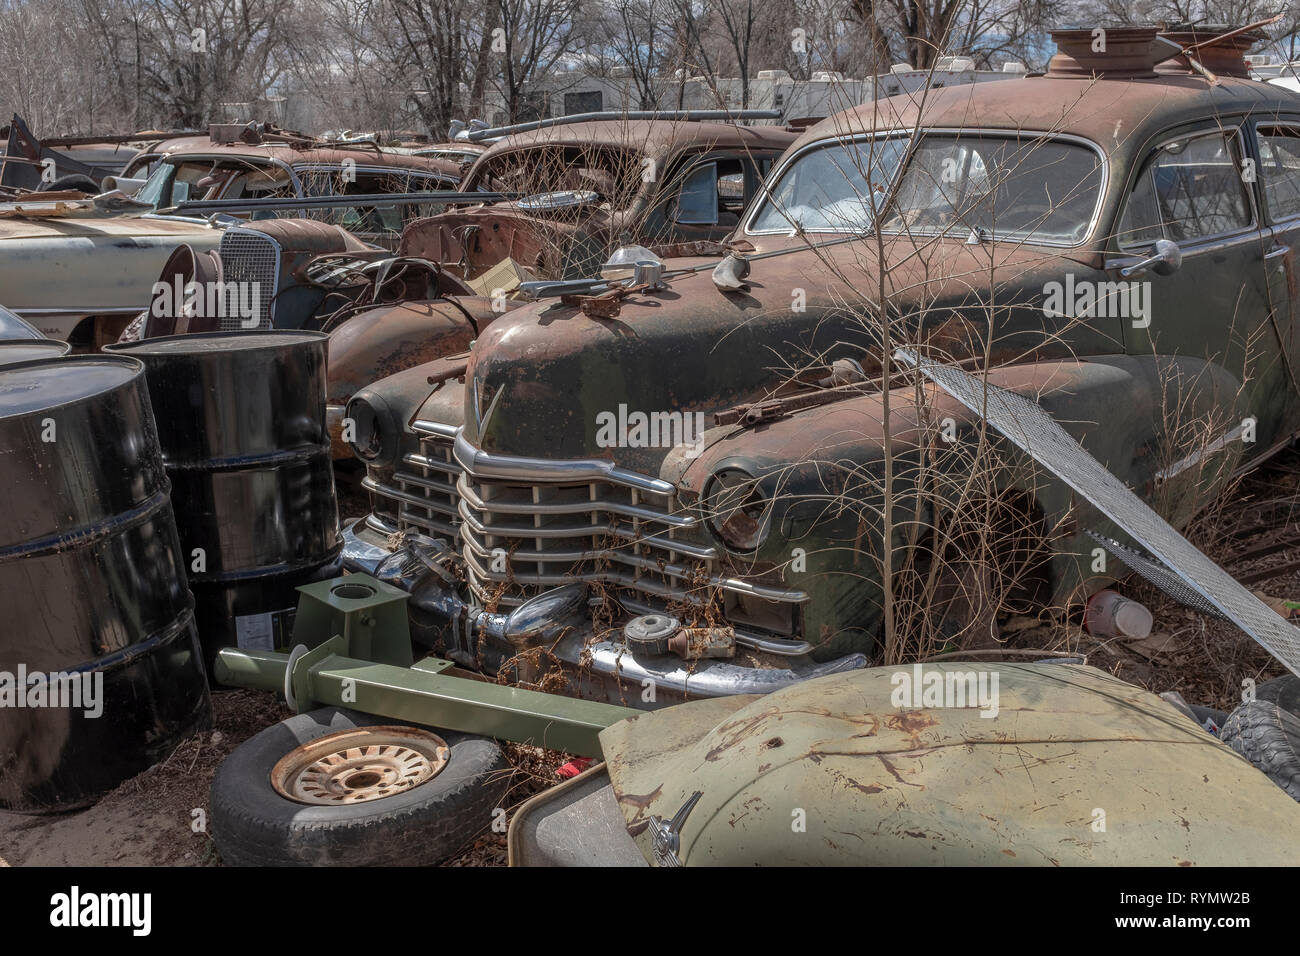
[150,820]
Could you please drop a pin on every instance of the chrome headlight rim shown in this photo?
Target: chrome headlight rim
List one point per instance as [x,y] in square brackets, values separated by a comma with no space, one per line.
[376,432]
[735,508]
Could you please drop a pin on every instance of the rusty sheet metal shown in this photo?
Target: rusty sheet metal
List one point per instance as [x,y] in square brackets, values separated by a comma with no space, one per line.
[830,771]
[658,139]
[1032,429]
[387,339]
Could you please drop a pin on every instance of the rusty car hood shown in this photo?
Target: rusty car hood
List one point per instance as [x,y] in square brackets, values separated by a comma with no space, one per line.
[845,770]
[693,348]
[387,339]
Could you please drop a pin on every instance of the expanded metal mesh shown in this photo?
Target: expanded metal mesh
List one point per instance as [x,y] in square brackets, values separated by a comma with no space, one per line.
[1157,574]
[1029,427]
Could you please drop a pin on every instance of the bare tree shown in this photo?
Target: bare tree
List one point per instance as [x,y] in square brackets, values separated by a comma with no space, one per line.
[535,36]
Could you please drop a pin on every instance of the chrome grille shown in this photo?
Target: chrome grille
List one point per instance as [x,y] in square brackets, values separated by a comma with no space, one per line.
[519,538]
[426,495]
[250,257]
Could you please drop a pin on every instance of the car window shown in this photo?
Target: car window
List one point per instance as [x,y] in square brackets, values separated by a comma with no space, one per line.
[257,182]
[1008,187]
[826,189]
[614,174]
[1192,188]
[173,183]
[697,202]
[1279,154]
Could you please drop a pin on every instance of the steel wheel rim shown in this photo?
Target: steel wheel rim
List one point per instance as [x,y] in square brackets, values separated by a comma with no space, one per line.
[360,765]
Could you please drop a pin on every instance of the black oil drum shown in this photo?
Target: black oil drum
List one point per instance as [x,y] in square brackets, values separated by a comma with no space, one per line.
[241,418]
[29,350]
[101,674]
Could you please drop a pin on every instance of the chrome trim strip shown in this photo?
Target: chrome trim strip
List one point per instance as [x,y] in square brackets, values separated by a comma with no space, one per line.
[81,311]
[436,428]
[467,495]
[512,468]
[1199,455]
[369,484]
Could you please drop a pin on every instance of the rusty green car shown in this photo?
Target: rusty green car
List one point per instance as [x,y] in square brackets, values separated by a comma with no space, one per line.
[729,448]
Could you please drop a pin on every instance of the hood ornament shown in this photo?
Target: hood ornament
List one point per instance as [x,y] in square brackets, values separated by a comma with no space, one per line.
[666,838]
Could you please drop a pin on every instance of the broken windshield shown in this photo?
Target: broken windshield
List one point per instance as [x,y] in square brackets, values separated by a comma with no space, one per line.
[614,174]
[1006,187]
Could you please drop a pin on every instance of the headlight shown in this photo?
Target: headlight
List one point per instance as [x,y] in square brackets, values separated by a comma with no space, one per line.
[736,509]
[375,432]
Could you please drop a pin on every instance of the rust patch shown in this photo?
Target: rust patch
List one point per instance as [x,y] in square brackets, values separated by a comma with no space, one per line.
[910,722]
[641,802]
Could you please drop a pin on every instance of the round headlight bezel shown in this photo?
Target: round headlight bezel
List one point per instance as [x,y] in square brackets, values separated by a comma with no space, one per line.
[372,423]
[736,509]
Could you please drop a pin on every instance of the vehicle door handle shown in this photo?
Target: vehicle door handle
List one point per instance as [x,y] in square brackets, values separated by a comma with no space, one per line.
[1275,252]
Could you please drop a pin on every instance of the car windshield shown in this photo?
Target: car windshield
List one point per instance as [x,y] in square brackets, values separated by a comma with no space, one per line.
[614,174]
[1008,187]
[178,180]
[826,189]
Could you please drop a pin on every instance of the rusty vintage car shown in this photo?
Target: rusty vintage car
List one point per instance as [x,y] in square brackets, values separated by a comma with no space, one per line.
[589,186]
[387,314]
[256,162]
[966,223]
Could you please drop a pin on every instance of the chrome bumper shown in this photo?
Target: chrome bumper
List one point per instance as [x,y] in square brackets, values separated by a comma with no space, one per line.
[603,670]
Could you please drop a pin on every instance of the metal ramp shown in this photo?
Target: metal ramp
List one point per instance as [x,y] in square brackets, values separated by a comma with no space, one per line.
[1184,572]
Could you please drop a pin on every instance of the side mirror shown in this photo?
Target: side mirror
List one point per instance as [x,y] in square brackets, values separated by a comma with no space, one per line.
[1164,260]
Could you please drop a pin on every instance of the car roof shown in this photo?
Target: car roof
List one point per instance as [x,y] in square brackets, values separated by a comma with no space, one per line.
[1116,113]
[322,154]
[658,139]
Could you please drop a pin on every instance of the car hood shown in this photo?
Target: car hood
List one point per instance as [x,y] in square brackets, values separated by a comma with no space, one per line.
[545,376]
[1073,767]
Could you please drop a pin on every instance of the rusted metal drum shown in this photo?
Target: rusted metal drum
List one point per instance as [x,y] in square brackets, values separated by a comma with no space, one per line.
[241,419]
[29,350]
[101,674]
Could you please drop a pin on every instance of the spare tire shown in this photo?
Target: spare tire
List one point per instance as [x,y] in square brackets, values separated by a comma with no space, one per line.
[1269,737]
[341,788]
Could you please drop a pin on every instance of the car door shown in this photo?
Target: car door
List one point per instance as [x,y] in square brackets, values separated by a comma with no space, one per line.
[1278,174]
[1191,189]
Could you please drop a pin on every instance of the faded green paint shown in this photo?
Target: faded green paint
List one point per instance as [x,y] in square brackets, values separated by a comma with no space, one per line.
[1076,768]
[422,694]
